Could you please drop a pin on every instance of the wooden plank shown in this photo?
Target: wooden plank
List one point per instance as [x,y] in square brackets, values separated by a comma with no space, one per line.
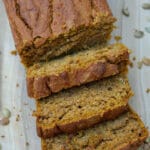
[139,79]
[18,133]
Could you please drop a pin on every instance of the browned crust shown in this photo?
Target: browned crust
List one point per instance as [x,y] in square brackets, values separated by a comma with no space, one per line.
[133,145]
[53,22]
[44,86]
[79,125]
[58,17]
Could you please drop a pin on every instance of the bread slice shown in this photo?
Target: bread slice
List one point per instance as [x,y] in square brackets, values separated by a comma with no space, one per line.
[79,108]
[45,29]
[126,132]
[95,63]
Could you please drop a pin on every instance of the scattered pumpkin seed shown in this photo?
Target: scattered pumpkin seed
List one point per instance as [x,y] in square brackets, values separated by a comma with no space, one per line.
[147,29]
[138,34]
[6,113]
[146,5]
[125,12]
[146,61]
[4,121]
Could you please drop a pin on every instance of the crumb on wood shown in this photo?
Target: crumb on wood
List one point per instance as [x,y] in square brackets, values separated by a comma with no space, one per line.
[18,118]
[131,64]
[27,143]
[115,27]
[140,64]
[17,85]
[13,52]
[117,38]
[2,136]
[25,103]
[134,58]
[148,90]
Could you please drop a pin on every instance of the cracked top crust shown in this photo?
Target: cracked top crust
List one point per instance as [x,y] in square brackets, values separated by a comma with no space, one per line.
[58,16]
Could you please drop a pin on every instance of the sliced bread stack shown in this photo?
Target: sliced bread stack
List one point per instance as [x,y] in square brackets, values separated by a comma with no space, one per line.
[93,64]
[126,132]
[79,82]
[82,107]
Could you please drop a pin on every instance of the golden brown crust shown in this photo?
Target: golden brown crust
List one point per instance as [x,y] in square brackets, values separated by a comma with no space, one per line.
[132,135]
[81,124]
[43,79]
[41,27]
[133,145]
[43,86]
[50,23]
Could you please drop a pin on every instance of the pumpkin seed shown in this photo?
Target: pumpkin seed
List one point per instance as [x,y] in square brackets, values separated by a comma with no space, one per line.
[6,113]
[138,34]
[125,12]
[4,121]
[146,61]
[146,5]
[147,29]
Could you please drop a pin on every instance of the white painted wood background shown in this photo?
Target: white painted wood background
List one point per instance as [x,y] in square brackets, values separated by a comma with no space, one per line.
[12,72]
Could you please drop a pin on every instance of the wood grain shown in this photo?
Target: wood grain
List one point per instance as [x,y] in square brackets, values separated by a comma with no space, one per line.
[12,72]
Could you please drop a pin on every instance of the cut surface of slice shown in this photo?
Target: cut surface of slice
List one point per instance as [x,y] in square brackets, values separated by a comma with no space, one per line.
[79,108]
[126,132]
[95,63]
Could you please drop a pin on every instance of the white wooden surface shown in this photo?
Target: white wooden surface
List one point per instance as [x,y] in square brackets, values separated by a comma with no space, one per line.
[12,72]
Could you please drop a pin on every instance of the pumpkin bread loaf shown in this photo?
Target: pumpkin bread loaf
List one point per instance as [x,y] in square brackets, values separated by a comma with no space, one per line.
[79,108]
[126,132]
[95,63]
[45,29]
